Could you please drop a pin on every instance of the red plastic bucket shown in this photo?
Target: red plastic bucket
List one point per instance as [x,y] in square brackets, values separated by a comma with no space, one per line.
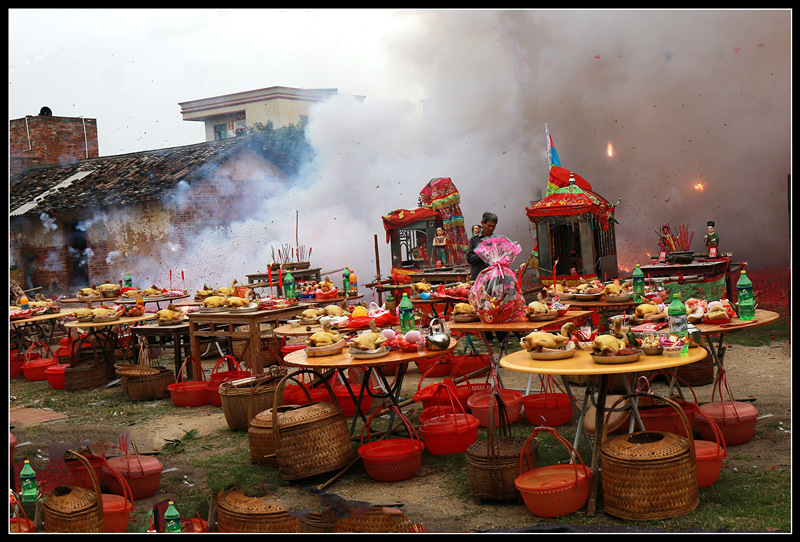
[436,367]
[34,370]
[141,472]
[709,455]
[450,434]
[552,409]
[289,348]
[391,460]
[347,403]
[55,376]
[217,377]
[667,418]
[479,405]
[80,474]
[191,393]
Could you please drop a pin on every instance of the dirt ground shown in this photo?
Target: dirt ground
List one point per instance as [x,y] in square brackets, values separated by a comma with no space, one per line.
[760,373]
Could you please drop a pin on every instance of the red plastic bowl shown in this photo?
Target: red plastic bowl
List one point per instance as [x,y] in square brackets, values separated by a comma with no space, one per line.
[34,369]
[55,376]
[479,406]
[391,460]
[191,393]
[552,409]
[554,490]
[667,418]
[449,434]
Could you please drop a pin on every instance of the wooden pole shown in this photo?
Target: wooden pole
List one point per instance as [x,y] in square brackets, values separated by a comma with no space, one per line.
[296,236]
[378,269]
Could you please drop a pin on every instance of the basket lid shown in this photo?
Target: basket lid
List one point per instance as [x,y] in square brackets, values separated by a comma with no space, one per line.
[115,503]
[704,449]
[646,446]
[300,415]
[237,502]
[392,448]
[263,420]
[134,464]
[551,477]
[71,499]
[729,412]
[449,423]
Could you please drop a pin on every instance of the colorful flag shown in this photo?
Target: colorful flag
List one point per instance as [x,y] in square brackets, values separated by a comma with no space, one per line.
[552,158]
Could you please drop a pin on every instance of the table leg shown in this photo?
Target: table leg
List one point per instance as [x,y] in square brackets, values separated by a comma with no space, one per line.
[580,429]
[599,420]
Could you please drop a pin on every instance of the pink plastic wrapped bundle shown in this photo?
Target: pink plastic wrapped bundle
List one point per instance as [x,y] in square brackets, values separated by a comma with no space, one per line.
[496,294]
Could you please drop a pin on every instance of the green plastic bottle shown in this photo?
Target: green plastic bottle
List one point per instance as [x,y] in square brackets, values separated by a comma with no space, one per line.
[744,296]
[345,280]
[172,519]
[638,283]
[27,483]
[678,322]
[128,280]
[288,286]
[406,308]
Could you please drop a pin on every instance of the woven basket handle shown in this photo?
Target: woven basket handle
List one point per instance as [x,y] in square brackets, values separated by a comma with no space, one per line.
[412,433]
[503,425]
[95,482]
[670,402]
[276,430]
[263,382]
[561,440]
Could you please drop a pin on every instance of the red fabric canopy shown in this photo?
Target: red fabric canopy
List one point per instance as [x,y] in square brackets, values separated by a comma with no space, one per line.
[570,201]
[559,176]
[403,217]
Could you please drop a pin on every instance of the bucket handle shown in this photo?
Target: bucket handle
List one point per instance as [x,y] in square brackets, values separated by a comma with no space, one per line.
[39,345]
[126,487]
[197,366]
[561,440]
[276,430]
[718,436]
[231,363]
[412,433]
[502,428]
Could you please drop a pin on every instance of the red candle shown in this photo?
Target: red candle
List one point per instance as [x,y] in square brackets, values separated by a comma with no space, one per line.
[269,272]
[280,280]
[170,279]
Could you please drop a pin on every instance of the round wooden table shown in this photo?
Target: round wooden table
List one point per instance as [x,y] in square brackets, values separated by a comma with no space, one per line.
[583,364]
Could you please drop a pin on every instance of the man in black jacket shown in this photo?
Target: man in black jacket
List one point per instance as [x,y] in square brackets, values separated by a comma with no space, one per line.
[488,224]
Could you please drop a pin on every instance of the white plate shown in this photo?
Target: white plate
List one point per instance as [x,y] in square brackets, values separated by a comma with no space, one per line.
[613,360]
[329,350]
[544,317]
[369,354]
[587,297]
[213,309]
[545,356]
[250,308]
[618,298]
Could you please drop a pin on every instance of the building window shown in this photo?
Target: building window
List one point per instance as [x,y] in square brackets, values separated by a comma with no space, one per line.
[220,131]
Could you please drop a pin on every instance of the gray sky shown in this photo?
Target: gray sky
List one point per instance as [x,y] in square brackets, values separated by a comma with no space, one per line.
[683,98]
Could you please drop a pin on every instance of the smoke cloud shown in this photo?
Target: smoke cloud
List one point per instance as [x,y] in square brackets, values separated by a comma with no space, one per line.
[684,98]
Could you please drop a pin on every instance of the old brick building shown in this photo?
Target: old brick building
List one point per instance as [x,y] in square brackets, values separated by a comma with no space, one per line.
[84,220]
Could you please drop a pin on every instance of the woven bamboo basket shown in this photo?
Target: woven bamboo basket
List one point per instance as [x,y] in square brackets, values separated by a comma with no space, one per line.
[649,474]
[310,439]
[145,380]
[259,432]
[378,519]
[238,513]
[236,396]
[492,464]
[86,373]
[73,509]
[318,522]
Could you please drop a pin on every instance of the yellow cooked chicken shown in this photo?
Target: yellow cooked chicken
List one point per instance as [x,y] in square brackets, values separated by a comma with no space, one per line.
[152,291]
[335,310]
[89,292]
[228,291]
[102,311]
[420,287]
[542,339]
[311,314]
[613,289]
[215,301]
[537,308]
[237,302]
[84,312]
[205,292]
[369,340]
[171,313]
[325,337]
[647,309]
[464,308]
[108,286]
[608,345]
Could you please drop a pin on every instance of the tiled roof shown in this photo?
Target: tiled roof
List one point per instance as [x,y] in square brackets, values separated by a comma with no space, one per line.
[115,180]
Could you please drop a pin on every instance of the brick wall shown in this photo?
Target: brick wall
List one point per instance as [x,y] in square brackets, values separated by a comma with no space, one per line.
[43,139]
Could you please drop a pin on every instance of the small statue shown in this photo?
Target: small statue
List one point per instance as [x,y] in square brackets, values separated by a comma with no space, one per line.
[440,246]
[711,238]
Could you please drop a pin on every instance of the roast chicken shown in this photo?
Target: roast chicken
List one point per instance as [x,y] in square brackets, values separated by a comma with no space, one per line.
[170,314]
[215,301]
[237,302]
[369,340]
[325,337]
[608,345]
[464,308]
